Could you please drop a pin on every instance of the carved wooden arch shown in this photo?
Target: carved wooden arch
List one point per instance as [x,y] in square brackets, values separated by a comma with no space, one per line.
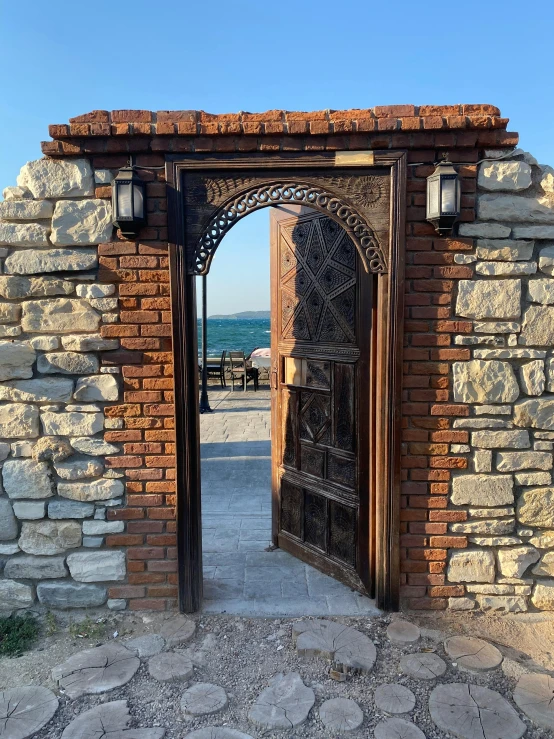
[297,192]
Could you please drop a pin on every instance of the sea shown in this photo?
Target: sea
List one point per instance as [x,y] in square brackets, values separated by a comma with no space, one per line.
[235,335]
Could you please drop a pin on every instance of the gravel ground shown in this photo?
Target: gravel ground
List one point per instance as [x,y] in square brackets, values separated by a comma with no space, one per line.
[242,655]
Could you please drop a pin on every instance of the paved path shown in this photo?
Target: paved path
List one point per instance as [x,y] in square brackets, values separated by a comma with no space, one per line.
[240,576]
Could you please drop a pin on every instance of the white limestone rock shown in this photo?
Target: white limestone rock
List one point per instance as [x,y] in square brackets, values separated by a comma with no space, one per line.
[545,567]
[501,207]
[484,230]
[547,180]
[69,594]
[81,222]
[8,524]
[478,381]
[505,269]
[516,461]
[534,232]
[535,507]
[71,424]
[49,537]
[93,447]
[57,178]
[37,261]
[461,604]
[546,260]
[482,490]
[504,175]
[94,291]
[23,234]
[25,478]
[15,595]
[44,343]
[543,595]
[471,566]
[26,210]
[68,363]
[103,489]
[532,377]
[503,603]
[12,286]
[104,304]
[498,439]
[9,312]
[483,299]
[79,469]
[88,343]
[30,510]
[16,360]
[538,326]
[495,327]
[16,193]
[99,527]
[99,387]
[505,250]
[59,315]
[18,421]
[537,413]
[39,390]
[97,566]
[533,478]
[30,567]
[541,291]
[513,561]
[62,509]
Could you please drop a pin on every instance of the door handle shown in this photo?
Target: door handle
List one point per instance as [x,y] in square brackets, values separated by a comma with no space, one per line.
[274,379]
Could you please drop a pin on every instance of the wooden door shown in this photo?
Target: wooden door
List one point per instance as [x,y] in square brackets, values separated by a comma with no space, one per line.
[321,315]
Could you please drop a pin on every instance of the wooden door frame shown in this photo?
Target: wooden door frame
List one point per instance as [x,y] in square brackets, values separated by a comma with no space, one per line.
[388,337]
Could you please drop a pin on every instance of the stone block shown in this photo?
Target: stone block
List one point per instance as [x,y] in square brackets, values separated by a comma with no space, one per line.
[100,527]
[471,566]
[51,448]
[68,363]
[505,250]
[516,461]
[478,381]
[16,193]
[537,413]
[483,299]
[503,603]
[482,490]
[25,478]
[545,567]
[57,178]
[29,567]
[93,447]
[484,230]
[541,291]
[501,207]
[16,360]
[97,566]
[95,290]
[484,526]
[543,595]
[100,387]
[92,542]
[493,410]
[482,460]
[535,507]
[23,234]
[495,327]
[40,390]
[538,326]
[49,537]
[79,469]
[103,489]
[513,561]
[546,260]
[534,232]
[117,604]
[81,222]
[29,510]
[533,478]
[63,509]
[9,312]
[504,175]
[104,304]
[44,343]
[59,315]
[37,261]
[505,269]
[15,595]
[532,378]
[461,604]
[8,524]
[499,439]
[71,424]
[88,343]
[26,210]
[66,595]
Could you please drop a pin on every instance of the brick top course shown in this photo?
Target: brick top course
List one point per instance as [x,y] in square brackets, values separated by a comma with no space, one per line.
[321,122]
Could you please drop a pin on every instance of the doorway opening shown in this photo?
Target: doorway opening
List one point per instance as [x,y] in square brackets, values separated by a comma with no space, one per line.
[259,557]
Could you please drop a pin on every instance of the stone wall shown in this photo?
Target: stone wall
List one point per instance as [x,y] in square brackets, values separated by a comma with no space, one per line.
[504,500]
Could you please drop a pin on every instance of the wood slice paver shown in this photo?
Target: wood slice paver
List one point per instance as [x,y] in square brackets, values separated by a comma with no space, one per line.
[423,665]
[474,712]
[203,698]
[24,711]
[341,715]
[394,698]
[109,721]
[397,728]
[284,704]
[147,645]
[473,654]
[217,732]
[403,632]
[348,649]
[177,630]
[170,666]
[534,695]
[96,670]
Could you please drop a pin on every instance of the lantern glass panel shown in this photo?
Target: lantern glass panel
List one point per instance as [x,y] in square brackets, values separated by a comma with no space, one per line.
[138,202]
[449,191]
[124,200]
[433,198]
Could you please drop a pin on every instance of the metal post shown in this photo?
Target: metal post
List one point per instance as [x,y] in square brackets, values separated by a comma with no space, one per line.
[204,402]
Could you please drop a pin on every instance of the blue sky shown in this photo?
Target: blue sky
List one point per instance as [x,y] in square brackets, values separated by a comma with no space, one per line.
[63,59]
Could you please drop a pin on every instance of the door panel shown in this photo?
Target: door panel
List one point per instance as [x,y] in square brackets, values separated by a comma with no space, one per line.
[320,348]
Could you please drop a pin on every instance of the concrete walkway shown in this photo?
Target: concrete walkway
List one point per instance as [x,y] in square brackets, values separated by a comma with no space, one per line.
[240,576]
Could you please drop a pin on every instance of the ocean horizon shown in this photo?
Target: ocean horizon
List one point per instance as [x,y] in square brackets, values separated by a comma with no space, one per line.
[235,335]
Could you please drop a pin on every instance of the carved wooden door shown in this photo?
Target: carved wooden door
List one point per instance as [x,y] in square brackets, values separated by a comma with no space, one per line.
[320,346]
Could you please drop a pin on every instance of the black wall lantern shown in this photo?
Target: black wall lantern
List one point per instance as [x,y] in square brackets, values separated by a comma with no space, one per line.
[128,202]
[444,197]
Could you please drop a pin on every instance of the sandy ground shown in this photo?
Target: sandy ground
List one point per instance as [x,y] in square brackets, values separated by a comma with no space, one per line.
[242,654]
